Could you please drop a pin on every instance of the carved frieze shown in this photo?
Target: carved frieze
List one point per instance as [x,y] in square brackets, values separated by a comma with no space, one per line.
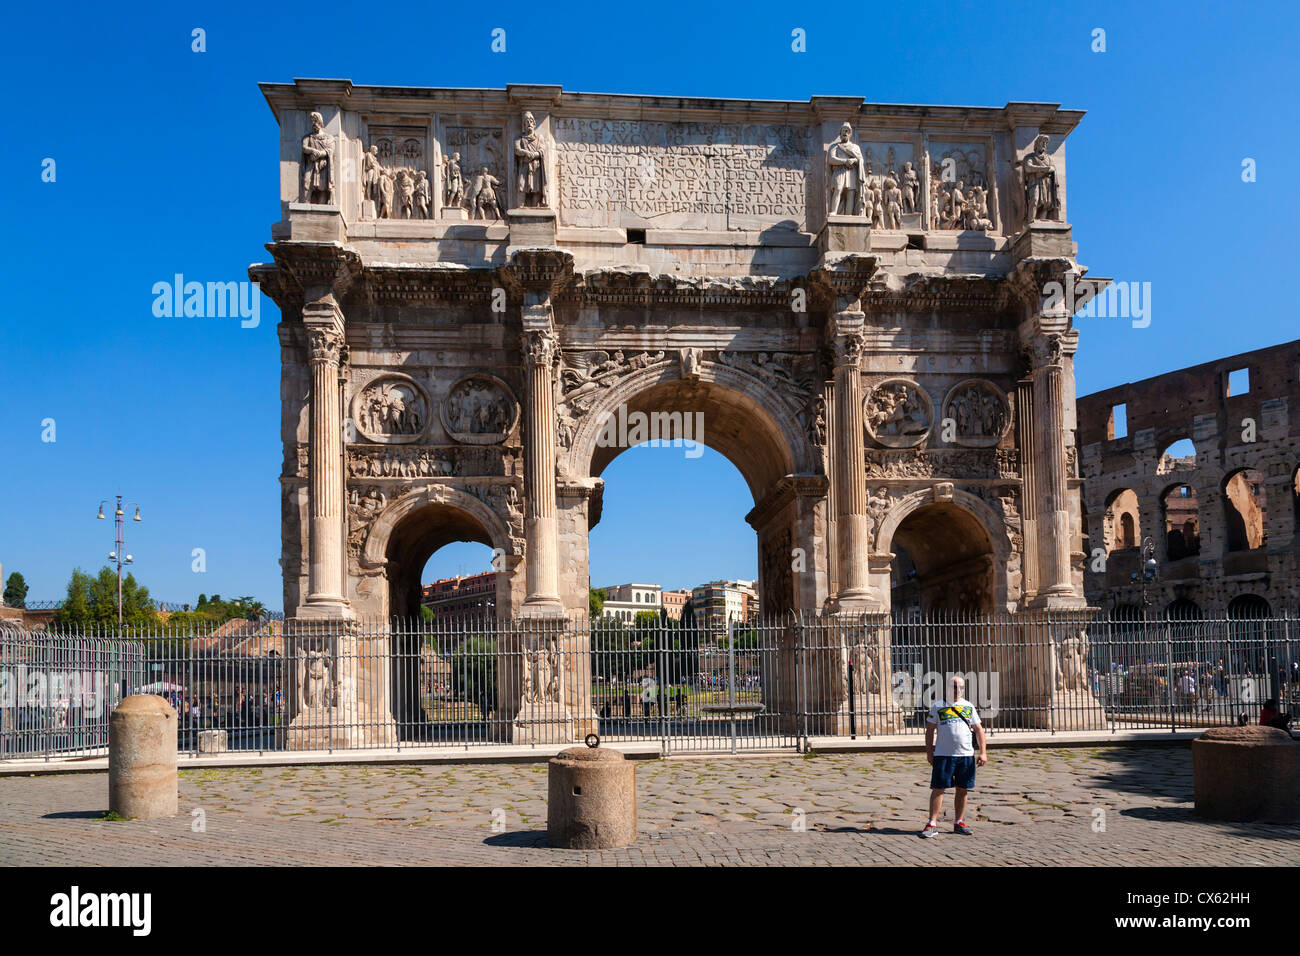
[391,409]
[943,463]
[897,413]
[429,461]
[978,412]
[480,409]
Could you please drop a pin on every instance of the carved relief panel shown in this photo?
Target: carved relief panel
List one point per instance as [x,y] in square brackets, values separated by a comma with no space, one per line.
[979,413]
[475,173]
[961,187]
[897,413]
[391,409]
[479,410]
[396,174]
[893,196]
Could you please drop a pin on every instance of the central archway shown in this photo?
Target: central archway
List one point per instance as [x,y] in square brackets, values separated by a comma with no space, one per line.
[760,427]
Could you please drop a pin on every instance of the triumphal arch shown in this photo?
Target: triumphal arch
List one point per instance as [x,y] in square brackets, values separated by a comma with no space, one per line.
[854,302]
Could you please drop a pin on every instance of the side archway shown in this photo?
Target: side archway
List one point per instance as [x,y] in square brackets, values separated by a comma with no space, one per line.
[958,549]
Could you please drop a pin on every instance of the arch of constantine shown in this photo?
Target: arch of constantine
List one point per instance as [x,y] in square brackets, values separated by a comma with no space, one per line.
[850,301]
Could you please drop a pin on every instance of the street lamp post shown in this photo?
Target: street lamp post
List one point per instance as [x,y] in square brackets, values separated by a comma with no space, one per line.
[1147,571]
[119,543]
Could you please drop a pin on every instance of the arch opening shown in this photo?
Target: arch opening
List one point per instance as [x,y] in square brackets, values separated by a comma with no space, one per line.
[1182,522]
[943,562]
[1123,529]
[1244,513]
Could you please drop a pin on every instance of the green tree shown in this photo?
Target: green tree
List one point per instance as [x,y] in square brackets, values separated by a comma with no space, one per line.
[77,610]
[92,602]
[474,673]
[15,591]
[596,602]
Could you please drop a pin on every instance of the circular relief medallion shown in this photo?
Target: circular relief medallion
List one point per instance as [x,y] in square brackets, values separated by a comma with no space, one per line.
[897,413]
[391,409]
[479,410]
[979,411]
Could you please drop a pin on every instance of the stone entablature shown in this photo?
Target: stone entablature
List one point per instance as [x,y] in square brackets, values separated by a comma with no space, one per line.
[1241,543]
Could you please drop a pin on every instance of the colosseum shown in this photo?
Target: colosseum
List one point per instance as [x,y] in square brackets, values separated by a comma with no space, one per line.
[1202,467]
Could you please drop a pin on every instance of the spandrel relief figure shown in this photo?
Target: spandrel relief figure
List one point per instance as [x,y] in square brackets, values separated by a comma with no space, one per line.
[318,164]
[483,195]
[530,160]
[847,173]
[1042,198]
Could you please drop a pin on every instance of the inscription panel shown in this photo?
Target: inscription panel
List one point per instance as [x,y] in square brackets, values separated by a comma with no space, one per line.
[665,175]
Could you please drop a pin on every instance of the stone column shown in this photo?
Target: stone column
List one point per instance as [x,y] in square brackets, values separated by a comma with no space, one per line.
[540,526]
[1054,583]
[1026,444]
[853,540]
[325,598]
[832,510]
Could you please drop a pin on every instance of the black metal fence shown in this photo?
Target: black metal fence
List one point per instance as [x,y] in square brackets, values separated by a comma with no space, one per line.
[769,684]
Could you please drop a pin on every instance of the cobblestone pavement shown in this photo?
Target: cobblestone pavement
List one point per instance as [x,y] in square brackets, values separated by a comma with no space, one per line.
[1032,806]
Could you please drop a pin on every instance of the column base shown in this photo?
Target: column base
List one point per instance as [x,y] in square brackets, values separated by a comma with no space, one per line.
[543,722]
[326,609]
[858,599]
[337,728]
[542,607]
[1060,598]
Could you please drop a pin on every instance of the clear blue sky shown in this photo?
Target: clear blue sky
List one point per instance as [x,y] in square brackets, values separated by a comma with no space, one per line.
[166,163]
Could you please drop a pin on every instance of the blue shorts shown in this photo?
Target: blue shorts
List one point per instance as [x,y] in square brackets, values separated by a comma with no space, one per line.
[952,772]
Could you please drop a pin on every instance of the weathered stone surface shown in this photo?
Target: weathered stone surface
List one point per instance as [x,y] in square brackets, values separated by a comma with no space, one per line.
[1228,544]
[213,742]
[142,781]
[853,300]
[1247,773]
[591,799]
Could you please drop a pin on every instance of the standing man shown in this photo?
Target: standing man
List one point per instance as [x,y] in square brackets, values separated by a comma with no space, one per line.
[952,755]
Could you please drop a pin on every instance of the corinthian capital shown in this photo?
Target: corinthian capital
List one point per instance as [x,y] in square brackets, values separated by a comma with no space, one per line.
[540,348]
[325,344]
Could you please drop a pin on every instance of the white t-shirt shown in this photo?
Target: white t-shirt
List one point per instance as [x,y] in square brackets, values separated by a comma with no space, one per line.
[954,738]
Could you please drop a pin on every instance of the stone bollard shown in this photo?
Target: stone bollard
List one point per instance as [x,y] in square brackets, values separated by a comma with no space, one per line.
[142,782]
[1247,774]
[591,802]
[213,742]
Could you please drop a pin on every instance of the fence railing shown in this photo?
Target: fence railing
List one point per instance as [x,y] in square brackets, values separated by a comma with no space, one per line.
[769,684]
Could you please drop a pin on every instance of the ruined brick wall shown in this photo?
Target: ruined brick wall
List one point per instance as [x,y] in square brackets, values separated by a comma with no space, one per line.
[1232,535]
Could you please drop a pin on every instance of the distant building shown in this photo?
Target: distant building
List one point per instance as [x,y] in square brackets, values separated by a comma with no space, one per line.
[625,601]
[675,602]
[471,594]
[718,602]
